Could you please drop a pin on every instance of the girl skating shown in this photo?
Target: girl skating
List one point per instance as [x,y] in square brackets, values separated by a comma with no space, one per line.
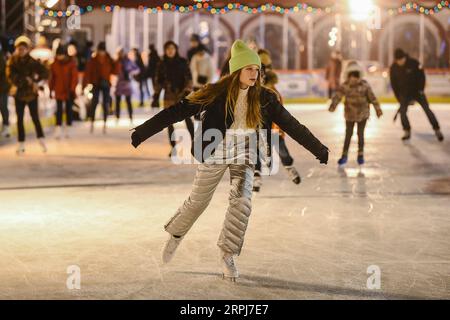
[24,72]
[236,101]
[358,97]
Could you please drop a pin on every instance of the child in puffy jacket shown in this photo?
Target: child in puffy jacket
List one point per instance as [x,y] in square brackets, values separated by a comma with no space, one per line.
[358,97]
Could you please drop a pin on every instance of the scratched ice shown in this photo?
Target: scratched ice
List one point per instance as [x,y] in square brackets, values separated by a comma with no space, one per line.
[95,202]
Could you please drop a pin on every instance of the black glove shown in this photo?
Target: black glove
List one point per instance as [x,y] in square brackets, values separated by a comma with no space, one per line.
[135,139]
[323,157]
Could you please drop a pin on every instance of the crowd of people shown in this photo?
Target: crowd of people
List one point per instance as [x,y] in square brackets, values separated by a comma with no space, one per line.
[106,77]
[23,74]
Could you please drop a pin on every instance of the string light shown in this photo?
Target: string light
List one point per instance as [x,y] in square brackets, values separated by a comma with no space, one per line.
[204,4]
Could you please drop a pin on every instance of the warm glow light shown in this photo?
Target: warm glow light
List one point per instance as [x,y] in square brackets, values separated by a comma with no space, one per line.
[361,10]
[51,3]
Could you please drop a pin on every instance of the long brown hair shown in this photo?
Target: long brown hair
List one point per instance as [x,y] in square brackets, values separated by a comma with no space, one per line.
[230,85]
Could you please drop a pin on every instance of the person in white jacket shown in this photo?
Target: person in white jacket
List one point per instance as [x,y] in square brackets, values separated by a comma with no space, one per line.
[202,69]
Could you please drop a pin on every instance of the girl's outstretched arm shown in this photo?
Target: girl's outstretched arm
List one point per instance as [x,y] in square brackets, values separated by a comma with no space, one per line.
[296,130]
[175,113]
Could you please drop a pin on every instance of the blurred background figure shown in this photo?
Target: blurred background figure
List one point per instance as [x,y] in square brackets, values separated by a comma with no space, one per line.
[63,82]
[124,68]
[202,68]
[153,61]
[141,76]
[24,72]
[174,76]
[98,73]
[195,45]
[4,89]
[333,72]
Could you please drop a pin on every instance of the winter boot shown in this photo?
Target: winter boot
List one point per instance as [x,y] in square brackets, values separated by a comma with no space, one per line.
[170,247]
[407,135]
[257,181]
[20,149]
[439,135]
[342,161]
[230,271]
[43,145]
[295,177]
[58,132]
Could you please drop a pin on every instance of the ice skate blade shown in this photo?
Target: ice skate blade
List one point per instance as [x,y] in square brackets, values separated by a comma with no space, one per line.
[228,278]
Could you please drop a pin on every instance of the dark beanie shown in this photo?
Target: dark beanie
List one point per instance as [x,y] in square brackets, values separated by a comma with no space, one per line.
[61,50]
[195,37]
[399,54]
[101,46]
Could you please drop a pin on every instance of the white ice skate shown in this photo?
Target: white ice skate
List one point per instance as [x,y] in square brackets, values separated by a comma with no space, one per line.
[68,132]
[43,145]
[6,132]
[295,177]
[58,132]
[20,149]
[170,247]
[230,271]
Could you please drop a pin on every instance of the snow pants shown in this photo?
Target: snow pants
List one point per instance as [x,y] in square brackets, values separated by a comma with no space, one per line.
[206,180]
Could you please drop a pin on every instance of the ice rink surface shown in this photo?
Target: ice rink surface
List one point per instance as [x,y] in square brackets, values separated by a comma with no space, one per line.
[95,202]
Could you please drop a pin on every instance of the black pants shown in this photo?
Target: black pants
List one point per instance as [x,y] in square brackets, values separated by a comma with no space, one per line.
[20,110]
[156,93]
[105,101]
[143,84]
[4,108]
[283,152]
[60,112]
[422,100]
[190,127]
[349,125]
[129,106]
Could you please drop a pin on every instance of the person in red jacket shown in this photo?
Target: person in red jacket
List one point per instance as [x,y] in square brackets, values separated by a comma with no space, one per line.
[63,81]
[98,73]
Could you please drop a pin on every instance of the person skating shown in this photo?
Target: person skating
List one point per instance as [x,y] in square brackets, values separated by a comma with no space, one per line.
[63,82]
[358,97]
[4,90]
[153,61]
[124,70]
[195,46]
[408,83]
[98,73]
[270,81]
[333,72]
[202,68]
[173,75]
[24,72]
[236,101]
[141,76]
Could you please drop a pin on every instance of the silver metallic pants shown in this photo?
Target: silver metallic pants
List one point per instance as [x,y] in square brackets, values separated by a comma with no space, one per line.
[206,180]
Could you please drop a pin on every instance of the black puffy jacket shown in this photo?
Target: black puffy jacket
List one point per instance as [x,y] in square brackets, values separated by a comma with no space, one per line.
[407,80]
[213,118]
